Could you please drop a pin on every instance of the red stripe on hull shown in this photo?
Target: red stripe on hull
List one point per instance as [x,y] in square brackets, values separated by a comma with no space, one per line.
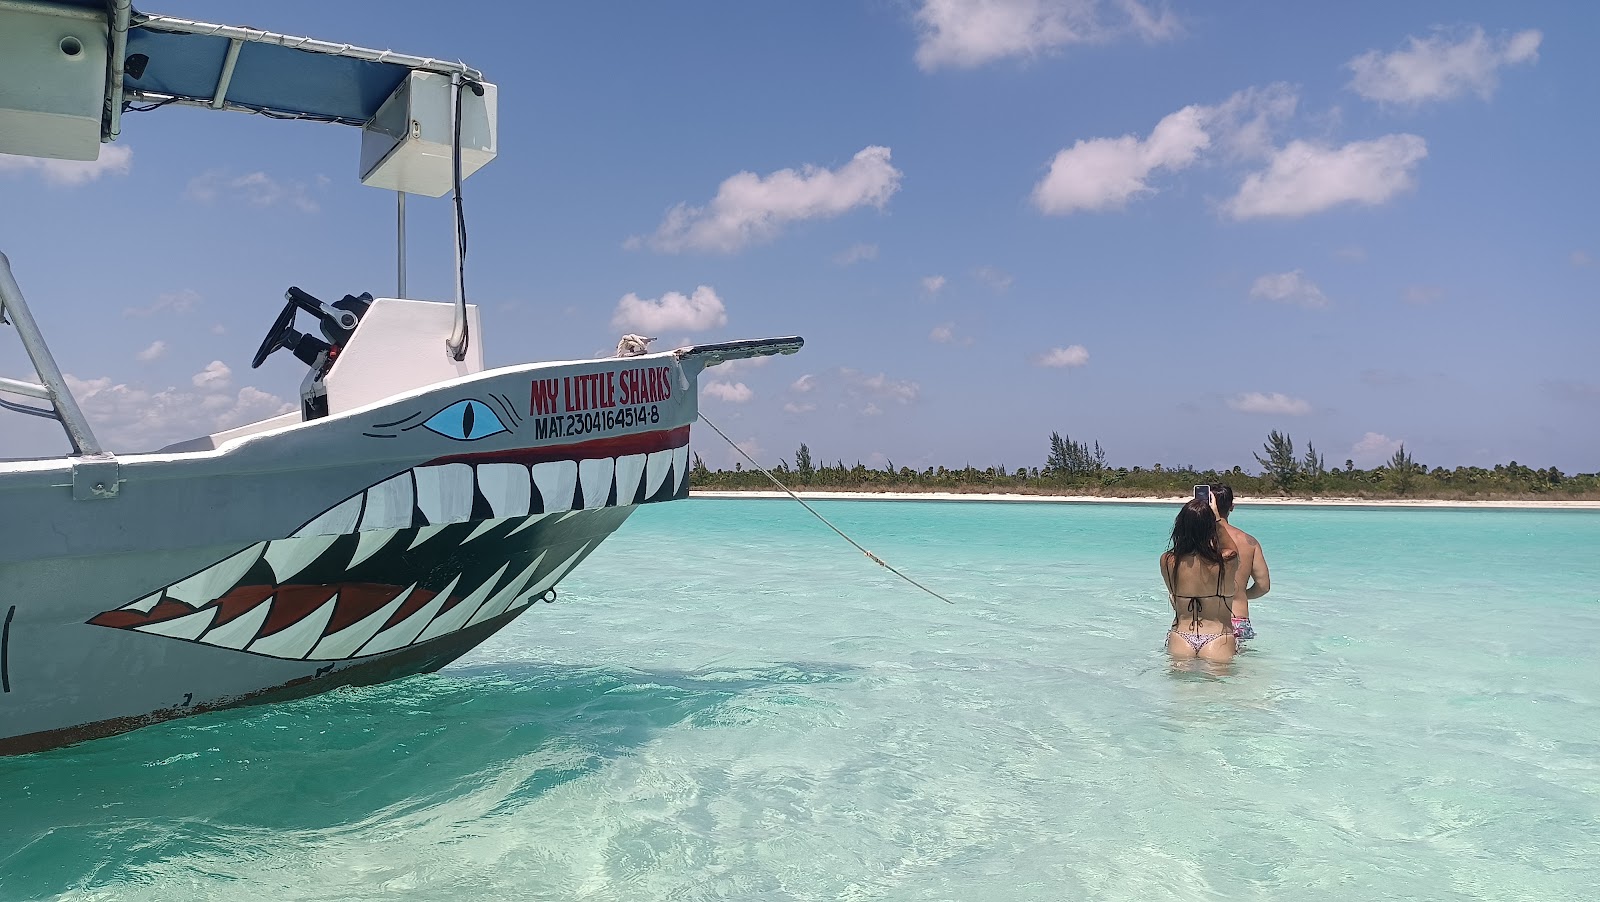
[643,443]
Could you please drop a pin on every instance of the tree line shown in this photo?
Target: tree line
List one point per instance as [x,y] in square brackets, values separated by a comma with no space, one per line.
[1081,468]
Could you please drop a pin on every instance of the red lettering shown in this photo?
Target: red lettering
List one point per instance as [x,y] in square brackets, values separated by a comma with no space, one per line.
[666,383]
[610,380]
[566,391]
[543,401]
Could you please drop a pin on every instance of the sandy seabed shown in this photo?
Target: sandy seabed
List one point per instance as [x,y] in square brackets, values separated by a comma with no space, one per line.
[1176,499]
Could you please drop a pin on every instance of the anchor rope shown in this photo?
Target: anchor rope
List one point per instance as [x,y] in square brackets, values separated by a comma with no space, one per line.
[870,556]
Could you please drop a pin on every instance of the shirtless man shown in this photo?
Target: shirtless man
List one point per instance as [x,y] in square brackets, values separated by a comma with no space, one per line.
[1252,562]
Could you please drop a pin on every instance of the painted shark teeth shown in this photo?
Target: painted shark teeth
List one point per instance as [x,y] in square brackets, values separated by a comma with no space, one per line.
[444,493]
[456,617]
[209,584]
[506,488]
[345,642]
[629,468]
[324,597]
[406,631]
[439,495]
[296,639]
[306,621]
[556,480]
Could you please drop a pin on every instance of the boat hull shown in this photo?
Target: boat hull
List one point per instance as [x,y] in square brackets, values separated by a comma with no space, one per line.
[354,549]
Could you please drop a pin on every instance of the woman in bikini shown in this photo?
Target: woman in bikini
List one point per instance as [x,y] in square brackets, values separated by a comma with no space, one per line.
[1198,570]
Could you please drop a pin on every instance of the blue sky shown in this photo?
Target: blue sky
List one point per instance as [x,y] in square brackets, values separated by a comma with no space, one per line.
[1168,228]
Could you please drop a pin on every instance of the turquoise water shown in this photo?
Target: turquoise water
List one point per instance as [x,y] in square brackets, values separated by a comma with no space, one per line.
[727,702]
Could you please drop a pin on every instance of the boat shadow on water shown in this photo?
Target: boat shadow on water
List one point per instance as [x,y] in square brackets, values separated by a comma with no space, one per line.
[465,744]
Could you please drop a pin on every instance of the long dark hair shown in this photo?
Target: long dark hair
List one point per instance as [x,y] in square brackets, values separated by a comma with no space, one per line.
[1195,532]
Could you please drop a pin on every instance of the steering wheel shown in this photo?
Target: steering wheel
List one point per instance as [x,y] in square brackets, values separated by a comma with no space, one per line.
[282,329]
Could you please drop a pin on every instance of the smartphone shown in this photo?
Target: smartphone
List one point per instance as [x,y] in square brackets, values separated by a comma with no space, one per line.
[1203,493]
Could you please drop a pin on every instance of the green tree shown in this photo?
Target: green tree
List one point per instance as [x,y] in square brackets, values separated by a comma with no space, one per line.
[803,466]
[1070,458]
[1403,468]
[1280,464]
[1315,466]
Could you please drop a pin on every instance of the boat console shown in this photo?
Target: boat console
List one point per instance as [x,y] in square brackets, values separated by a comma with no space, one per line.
[336,321]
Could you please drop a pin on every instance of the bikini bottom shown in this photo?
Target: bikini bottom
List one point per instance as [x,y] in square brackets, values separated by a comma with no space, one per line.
[1197,641]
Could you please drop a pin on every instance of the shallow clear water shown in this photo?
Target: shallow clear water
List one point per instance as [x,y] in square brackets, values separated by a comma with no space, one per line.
[729,702]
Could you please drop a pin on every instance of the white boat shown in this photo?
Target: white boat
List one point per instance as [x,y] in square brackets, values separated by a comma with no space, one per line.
[415,504]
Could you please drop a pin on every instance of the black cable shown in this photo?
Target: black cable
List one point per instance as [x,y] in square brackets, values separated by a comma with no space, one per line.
[461,219]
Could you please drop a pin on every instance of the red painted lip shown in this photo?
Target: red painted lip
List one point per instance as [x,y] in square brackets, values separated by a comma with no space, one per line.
[293,602]
[642,443]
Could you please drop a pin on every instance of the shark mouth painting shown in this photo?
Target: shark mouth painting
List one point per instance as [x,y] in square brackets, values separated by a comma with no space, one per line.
[429,551]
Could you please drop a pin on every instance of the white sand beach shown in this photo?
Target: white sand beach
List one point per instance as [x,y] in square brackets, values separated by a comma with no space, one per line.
[1241,501]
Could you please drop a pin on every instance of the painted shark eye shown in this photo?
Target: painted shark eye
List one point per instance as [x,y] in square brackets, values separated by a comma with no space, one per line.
[466,421]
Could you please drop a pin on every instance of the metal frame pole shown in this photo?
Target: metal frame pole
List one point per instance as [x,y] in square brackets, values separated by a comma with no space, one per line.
[400,244]
[67,411]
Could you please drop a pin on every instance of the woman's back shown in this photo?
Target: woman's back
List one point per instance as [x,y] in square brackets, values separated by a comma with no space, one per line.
[1197,586]
[1199,572]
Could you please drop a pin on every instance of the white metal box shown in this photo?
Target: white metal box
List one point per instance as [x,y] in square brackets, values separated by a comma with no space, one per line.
[52,80]
[406,146]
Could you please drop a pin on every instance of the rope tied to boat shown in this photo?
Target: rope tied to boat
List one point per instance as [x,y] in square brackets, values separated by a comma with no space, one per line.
[870,556]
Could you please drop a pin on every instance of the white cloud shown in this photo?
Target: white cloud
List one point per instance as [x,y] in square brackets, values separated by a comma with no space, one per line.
[1443,66]
[856,253]
[1374,447]
[1351,254]
[750,208]
[945,334]
[690,313]
[216,375]
[871,410]
[969,33]
[751,447]
[1574,392]
[728,368]
[804,384]
[997,279]
[154,352]
[880,386]
[1275,403]
[933,284]
[1423,294]
[132,418]
[1581,258]
[114,160]
[1245,123]
[170,302]
[1289,288]
[1104,173]
[1305,178]
[732,392]
[801,407]
[1069,356]
[255,188]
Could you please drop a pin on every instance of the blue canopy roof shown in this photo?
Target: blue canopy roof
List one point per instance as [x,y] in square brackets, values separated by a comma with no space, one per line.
[170,60]
[267,77]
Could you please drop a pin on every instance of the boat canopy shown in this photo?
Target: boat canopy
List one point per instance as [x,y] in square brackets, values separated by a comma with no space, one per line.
[155,60]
